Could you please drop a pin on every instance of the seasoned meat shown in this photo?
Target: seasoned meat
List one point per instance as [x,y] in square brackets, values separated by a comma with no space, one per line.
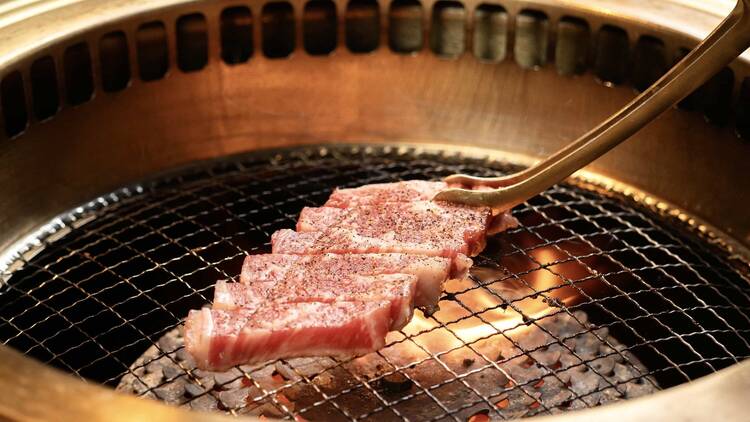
[408,221]
[219,339]
[406,191]
[397,289]
[342,241]
[354,269]
[431,272]
[412,190]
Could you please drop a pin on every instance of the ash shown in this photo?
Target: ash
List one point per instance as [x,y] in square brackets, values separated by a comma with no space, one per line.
[558,363]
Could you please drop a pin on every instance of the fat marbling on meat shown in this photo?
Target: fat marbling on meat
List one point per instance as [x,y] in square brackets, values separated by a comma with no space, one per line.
[396,289]
[406,191]
[431,272]
[219,339]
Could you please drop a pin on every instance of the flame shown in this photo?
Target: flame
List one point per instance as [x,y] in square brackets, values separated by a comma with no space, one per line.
[496,309]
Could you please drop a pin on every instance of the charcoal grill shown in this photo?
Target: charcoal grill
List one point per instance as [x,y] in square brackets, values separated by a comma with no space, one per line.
[149,146]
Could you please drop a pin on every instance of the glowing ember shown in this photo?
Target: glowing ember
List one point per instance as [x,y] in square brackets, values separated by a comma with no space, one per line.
[501,304]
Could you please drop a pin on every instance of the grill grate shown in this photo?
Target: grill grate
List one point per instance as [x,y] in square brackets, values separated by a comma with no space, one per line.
[593,298]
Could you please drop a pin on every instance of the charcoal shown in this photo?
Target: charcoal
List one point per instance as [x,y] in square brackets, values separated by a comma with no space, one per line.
[548,357]
[267,410]
[226,377]
[193,390]
[395,383]
[150,395]
[183,355]
[604,366]
[155,366]
[205,402]
[587,345]
[287,372]
[139,387]
[549,377]
[568,360]
[233,399]
[524,373]
[172,371]
[592,399]
[171,392]
[567,374]
[170,342]
[634,389]
[534,339]
[198,373]
[584,383]
[152,379]
[610,394]
[560,396]
[206,382]
[623,373]
[612,353]
[578,404]
[233,385]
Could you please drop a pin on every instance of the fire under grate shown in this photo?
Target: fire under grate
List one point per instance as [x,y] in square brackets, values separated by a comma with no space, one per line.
[594,298]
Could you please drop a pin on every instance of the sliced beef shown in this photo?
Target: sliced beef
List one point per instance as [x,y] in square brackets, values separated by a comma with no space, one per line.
[431,272]
[408,220]
[422,227]
[397,289]
[219,339]
[342,241]
[352,271]
[406,191]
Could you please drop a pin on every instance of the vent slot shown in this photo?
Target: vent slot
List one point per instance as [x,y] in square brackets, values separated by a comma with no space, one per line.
[319,27]
[192,42]
[405,31]
[743,110]
[649,62]
[362,22]
[717,97]
[448,32]
[530,49]
[692,101]
[572,48]
[713,98]
[79,80]
[115,61]
[490,33]
[153,53]
[612,52]
[236,35]
[13,103]
[278,30]
[44,89]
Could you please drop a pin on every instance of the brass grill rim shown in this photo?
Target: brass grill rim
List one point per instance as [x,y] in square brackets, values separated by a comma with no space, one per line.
[81,216]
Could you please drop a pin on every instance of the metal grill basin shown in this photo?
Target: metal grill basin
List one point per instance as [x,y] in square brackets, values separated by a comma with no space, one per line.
[593,298]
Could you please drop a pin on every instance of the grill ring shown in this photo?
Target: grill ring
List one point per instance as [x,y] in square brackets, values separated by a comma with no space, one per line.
[237,202]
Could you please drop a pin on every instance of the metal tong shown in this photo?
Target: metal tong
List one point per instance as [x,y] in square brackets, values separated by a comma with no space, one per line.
[723,45]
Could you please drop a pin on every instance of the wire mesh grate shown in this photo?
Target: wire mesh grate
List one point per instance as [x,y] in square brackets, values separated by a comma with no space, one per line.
[592,299]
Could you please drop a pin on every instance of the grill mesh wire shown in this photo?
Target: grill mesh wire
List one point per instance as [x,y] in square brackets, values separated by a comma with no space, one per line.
[112,277]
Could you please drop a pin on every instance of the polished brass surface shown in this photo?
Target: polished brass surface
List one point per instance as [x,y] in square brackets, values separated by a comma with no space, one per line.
[376,97]
[119,137]
[690,402]
[729,40]
[35,392]
[27,380]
